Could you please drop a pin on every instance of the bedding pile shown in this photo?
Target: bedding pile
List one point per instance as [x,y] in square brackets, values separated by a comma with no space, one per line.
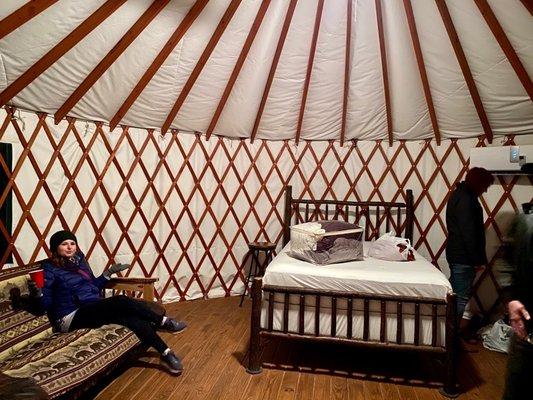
[326,242]
[392,248]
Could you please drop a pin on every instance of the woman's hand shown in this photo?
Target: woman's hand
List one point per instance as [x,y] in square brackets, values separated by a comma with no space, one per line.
[114,269]
[117,268]
[518,315]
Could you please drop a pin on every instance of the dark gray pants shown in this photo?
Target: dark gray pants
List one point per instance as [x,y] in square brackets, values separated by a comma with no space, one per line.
[518,383]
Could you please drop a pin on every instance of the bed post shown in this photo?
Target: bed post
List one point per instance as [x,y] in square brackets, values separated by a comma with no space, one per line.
[410,216]
[450,382]
[254,360]
[287,215]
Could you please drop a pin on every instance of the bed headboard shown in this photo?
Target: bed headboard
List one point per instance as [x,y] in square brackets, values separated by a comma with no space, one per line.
[378,217]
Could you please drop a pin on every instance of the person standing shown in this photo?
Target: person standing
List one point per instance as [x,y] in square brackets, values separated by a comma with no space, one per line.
[465,248]
[520,293]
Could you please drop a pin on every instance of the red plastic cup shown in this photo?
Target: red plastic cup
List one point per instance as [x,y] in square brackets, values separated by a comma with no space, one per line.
[38,277]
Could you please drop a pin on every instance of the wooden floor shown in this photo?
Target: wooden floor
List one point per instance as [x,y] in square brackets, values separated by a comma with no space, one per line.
[214,346]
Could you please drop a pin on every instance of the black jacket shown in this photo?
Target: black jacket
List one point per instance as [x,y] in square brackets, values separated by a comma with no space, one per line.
[466,233]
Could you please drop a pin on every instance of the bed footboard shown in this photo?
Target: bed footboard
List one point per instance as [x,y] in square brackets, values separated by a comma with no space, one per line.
[447,349]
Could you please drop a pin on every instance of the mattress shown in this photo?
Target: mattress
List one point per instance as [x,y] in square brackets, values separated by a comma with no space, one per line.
[417,278]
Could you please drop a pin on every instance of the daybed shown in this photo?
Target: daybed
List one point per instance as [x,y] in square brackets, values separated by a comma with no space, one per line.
[373,303]
[61,364]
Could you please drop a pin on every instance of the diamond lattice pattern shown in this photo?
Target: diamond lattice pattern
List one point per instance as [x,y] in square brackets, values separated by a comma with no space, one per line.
[183,209]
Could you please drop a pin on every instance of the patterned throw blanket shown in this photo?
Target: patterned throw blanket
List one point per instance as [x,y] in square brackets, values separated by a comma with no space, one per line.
[56,362]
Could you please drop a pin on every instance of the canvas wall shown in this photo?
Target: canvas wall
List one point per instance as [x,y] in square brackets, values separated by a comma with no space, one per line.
[183,209]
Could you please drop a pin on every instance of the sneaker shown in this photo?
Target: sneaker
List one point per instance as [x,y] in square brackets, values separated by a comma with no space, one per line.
[173,326]
[172,363]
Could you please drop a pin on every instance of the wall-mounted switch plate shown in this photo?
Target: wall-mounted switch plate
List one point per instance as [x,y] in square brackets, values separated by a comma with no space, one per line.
[515,154]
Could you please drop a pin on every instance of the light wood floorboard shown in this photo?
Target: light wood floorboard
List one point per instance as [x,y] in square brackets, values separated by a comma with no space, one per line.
[214,351]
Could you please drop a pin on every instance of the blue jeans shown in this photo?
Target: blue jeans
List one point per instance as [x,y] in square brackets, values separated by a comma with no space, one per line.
[462,276]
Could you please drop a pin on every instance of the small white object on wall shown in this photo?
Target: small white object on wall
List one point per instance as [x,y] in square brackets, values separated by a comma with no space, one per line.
[501,158]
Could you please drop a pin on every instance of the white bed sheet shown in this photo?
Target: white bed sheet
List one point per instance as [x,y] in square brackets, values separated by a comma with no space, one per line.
[417,278]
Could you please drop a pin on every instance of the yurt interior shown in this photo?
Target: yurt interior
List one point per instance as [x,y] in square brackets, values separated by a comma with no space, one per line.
[266,199]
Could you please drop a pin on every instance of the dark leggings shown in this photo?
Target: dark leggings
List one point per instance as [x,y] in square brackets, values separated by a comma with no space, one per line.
[125,311]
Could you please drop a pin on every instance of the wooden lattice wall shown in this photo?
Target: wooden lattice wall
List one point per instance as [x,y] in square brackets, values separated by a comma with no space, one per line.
[182,208]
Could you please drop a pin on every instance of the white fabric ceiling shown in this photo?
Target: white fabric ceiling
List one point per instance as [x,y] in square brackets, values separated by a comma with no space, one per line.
[504,98]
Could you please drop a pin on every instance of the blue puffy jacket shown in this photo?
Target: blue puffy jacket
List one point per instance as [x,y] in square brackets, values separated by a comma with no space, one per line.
[66,290]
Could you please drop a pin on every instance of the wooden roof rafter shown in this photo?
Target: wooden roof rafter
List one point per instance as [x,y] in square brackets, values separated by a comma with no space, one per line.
[506,45]
[349,7]
[312,51]
[384,69]
[465,68]
[139,26]
[73,38]
[422,68]
[169,46]
[215,37]
[529,5]
[238,65]
[22,15]
[273,66]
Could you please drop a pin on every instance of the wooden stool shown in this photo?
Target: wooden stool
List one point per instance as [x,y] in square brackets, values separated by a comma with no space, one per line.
[255,248]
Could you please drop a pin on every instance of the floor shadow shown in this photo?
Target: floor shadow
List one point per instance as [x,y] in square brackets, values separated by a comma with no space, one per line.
[241,357]
[382,365]
[467,372]
[153,364]
[145,359]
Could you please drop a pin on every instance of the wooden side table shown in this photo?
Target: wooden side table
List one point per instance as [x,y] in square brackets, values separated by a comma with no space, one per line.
[255,249]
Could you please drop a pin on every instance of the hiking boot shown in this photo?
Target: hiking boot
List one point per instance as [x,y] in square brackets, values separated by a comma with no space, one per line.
[173,326]
[172,363]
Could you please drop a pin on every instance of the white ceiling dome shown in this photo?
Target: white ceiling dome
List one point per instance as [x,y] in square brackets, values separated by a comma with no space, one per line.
[275,69]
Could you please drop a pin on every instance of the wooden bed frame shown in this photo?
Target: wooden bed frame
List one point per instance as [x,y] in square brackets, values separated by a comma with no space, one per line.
[379,217]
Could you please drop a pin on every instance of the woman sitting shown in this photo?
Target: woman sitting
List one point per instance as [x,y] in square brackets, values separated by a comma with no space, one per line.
[71,297]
